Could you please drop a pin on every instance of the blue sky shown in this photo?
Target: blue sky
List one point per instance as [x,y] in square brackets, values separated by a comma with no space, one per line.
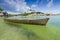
[19,6]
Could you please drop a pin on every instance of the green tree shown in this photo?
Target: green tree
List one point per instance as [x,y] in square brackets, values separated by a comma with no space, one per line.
[1,9]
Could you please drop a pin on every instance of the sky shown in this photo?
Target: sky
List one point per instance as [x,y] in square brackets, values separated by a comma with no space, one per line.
[21,6]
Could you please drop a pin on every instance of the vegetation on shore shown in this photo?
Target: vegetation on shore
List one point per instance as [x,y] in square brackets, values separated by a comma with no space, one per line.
[25,14]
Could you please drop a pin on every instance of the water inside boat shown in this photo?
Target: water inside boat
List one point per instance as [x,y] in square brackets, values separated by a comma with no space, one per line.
[27,17]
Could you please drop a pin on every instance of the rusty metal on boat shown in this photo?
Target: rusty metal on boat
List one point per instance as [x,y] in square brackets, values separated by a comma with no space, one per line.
[29,21]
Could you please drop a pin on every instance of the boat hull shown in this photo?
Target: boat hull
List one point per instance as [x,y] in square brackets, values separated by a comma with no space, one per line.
[35,21]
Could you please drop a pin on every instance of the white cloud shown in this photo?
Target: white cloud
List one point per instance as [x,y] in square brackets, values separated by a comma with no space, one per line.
[50,3]
[55,11]
[34,6]
[18,5]
[10,12]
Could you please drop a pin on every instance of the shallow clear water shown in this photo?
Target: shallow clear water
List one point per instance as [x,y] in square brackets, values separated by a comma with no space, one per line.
[12,32]
[54,21]
[49,32]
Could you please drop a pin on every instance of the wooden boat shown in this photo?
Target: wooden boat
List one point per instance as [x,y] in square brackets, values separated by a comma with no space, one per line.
[29,21]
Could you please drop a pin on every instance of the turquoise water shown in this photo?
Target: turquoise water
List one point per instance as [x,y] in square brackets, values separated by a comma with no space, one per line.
[54,21]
